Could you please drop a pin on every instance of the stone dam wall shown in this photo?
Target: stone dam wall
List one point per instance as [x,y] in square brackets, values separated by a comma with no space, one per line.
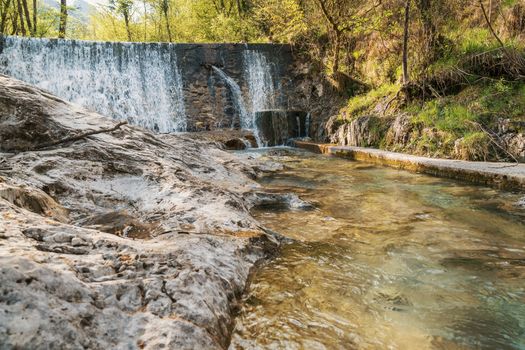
[161,86]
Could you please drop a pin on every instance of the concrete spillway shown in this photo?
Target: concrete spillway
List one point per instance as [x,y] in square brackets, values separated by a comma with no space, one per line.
[160,86]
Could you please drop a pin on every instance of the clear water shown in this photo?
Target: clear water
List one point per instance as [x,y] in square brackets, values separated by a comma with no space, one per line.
[388,260]
[137,82]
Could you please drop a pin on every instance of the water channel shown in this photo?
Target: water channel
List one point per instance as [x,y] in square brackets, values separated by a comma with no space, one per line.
[387,260]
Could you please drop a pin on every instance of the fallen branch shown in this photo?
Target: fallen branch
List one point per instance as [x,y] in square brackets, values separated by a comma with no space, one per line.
[517,60]
[80,136]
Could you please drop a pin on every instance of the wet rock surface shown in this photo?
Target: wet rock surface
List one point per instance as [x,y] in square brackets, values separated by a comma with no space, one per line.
[228,139]
[121,240]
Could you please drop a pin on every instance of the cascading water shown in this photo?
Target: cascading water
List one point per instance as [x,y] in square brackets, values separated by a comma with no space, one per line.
[307,125]
[258,74]
[247,120]
[137,82]
[240,107]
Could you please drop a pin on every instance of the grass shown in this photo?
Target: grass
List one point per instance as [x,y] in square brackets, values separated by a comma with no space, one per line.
[482,104]
[364,103]
[446,116]
[450,126]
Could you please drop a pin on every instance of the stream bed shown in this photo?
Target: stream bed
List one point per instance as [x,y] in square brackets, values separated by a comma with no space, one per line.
[387,260]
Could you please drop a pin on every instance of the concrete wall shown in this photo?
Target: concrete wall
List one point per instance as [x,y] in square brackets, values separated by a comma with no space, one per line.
[208,100]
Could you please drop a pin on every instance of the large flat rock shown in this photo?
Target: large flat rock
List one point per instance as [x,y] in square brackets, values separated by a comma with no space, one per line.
[119,240]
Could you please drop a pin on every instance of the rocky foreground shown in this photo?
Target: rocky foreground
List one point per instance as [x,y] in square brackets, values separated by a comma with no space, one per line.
[121,239]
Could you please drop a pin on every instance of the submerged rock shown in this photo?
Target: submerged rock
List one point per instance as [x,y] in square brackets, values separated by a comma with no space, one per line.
[71,274]
[280,201]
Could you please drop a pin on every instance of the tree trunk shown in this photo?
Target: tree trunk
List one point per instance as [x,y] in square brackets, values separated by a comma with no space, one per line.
[405,42]
[63,19]
[21,15]
[14,22]
[126,21]
[240,8]
[168,26]
[4,16]
[28,17]
[429,31]
[34,16]
[145,21]
[337,50]
[165,9]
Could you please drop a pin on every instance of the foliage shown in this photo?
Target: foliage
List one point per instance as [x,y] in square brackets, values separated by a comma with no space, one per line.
[459,114]
[281,20]
[359,38]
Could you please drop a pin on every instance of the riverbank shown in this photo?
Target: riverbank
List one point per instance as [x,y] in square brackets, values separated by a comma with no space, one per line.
[510,176]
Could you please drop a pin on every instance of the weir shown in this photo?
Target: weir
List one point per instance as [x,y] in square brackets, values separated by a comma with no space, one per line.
[163,87]
[138,82]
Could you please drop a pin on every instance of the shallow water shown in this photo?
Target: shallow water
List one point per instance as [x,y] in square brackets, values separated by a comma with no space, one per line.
[388,260]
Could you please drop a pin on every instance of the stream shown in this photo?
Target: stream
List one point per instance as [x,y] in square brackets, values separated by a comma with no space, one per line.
[387,260]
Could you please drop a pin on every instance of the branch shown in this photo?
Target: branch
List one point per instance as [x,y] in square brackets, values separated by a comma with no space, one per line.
[487,19]
[327,15]
[496,143]
[80,136]
[333,22]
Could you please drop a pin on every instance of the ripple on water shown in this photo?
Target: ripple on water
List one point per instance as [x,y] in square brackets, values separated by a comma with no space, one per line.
[389,259]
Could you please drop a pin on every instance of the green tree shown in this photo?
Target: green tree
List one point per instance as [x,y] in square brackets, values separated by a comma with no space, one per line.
[123,8]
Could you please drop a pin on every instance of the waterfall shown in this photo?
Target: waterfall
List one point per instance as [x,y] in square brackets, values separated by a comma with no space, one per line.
[137,82]
[238,101]
[258,74]
[259,77]
[307,125]
[247,120]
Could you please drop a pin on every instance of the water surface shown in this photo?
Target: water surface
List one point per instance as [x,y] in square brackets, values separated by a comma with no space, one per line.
[388,260]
